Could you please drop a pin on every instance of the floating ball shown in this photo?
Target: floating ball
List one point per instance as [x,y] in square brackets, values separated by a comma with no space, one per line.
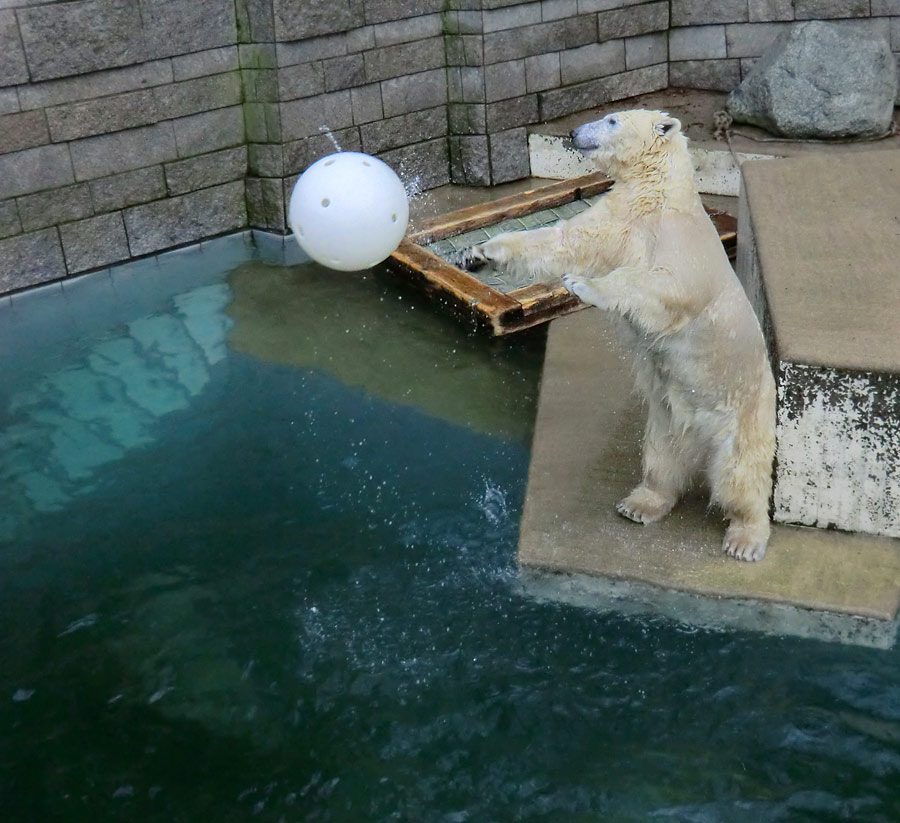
[348,211]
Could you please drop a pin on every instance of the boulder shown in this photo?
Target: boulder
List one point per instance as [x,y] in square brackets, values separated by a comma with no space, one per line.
[821,80]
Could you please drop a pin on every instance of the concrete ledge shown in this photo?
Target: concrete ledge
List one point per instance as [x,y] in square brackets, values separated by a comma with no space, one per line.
[827,235]
[818,245]
[715,170]
[711,613]
[586,456]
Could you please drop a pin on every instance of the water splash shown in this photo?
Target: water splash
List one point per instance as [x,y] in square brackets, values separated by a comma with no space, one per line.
[413,187]
[82,623]
[328,133]
[493,504]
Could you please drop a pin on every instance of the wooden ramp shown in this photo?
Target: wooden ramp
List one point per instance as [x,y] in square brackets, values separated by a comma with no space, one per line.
[586,456]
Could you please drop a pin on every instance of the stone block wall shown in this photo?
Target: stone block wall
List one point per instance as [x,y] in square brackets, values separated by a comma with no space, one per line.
[121,132]
[371,73]
[131,126]
[713,45]
[513,64]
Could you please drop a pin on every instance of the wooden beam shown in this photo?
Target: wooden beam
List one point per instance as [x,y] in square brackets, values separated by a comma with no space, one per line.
[464,293]
[506,208]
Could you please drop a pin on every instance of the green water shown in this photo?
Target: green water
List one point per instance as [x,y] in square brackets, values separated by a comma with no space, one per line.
[257,536]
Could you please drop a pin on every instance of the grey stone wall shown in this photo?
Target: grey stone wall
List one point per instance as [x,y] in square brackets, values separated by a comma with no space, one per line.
[514,64]
[130,126]
[121,132]
[713,45]
[373,73]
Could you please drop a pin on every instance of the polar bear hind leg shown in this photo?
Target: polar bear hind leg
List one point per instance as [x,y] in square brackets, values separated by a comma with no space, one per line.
[669,465]
[645,505]
[740,482]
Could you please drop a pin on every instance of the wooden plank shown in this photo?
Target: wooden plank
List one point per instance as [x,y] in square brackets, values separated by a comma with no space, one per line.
[727,228]
[464,293]
[454,280]
[528,295]
[541,297]
[506,208]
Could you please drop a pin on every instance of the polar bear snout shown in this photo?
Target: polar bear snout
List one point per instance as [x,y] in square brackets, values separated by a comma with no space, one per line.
[595,134]
[584,138]
[581,140]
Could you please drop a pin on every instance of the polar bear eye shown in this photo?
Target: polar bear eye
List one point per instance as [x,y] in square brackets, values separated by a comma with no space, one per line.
[612,121]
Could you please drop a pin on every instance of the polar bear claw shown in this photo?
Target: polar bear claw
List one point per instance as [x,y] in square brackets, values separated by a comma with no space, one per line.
[644,505]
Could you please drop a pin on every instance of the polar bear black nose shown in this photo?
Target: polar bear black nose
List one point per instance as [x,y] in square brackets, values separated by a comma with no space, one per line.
[582,138]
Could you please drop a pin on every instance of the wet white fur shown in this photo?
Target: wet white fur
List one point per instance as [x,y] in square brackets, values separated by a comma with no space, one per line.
[648,252]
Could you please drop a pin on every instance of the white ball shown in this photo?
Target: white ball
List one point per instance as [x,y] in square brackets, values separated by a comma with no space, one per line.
[348,211]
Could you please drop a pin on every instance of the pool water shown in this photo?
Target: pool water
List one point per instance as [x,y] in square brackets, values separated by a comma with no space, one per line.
[257,562]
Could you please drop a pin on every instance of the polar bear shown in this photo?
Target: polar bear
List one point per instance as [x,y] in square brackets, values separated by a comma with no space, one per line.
[648,252]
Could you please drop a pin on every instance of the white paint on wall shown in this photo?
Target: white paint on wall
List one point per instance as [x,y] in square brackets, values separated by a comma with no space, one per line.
[551,157]
[716,172]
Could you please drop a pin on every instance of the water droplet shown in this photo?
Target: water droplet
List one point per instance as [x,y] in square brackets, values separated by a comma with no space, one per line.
[327,132]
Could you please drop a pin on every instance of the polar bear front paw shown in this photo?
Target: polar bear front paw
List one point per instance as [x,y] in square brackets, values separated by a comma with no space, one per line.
[583,290]
[577,286]
[644,505]
[472,259]
[745,541]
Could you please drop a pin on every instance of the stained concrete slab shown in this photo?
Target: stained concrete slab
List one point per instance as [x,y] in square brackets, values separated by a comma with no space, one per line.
[702,612]
[586,456]
[827,231]
[818,243]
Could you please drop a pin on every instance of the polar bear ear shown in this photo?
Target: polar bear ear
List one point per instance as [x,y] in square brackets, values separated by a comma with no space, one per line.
[667,126]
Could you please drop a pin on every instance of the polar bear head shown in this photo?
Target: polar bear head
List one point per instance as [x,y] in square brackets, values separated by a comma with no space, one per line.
[624,139]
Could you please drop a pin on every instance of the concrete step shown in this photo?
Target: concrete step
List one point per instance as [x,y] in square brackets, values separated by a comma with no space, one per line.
[818,245]
[575,547]
[716,170]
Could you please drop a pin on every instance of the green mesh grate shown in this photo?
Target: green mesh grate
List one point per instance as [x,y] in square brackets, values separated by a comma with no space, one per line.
[450,247]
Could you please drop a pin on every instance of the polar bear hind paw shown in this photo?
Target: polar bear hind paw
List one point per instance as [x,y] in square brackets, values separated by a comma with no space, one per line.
[644,505]
[745,541]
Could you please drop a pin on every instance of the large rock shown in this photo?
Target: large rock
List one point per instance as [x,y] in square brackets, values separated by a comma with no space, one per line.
[821,79]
